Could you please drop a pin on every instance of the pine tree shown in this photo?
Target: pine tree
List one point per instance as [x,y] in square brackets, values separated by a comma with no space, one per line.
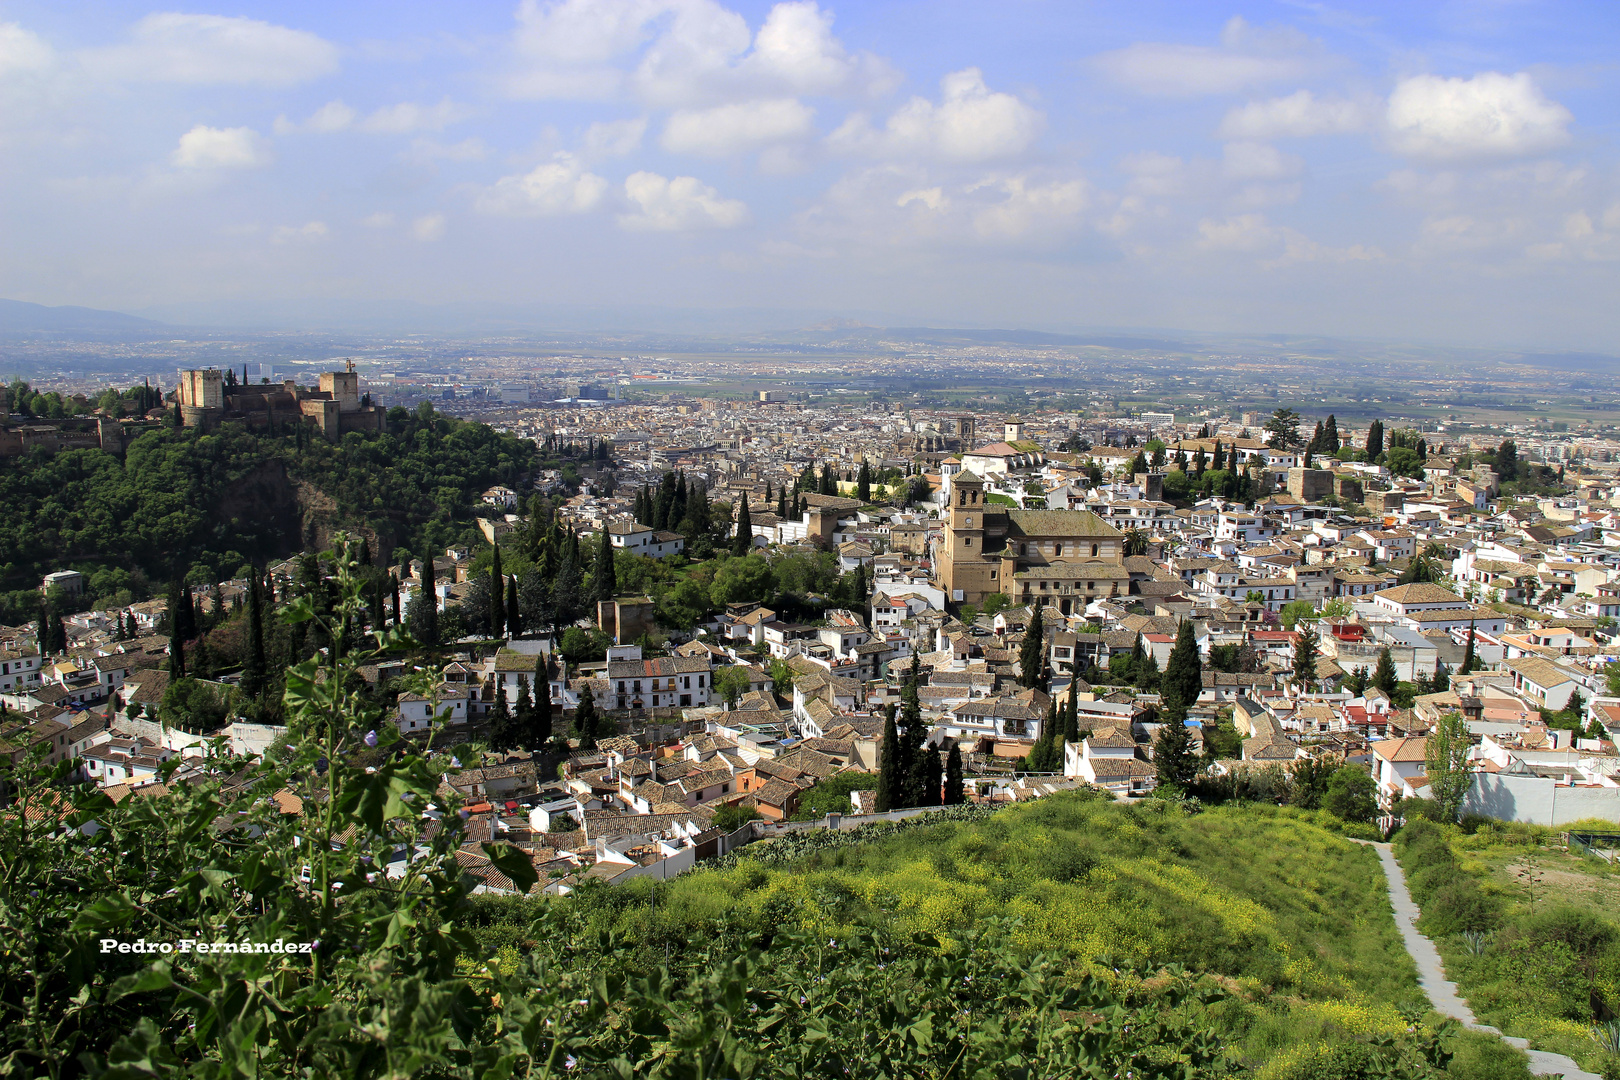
[1384,675]
[1469,659]
[1032,654]
[890,767]
[1183,677]
[1356,682]
[1147,675]
[955,792]
[742,538]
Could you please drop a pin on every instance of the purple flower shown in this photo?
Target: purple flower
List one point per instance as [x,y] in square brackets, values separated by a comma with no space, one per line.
[371,738]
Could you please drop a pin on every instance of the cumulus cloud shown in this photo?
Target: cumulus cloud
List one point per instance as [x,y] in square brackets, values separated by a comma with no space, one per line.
[1298,115]
[288,234]
[215,49]
[206,147]
[428,227]
[682,53]
[1026,209]
[1247,56]
[560,186]
[684,203]
[1488,116]
[970,123]
[613,138]
[737,128]
[22,51]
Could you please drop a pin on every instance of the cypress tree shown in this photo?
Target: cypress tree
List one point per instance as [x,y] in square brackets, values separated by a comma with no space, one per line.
[1384,676]
[1032,654]
[954,789]
[888,766]
[585,720]
[502,733]
[539,729]
[931,770]
[1330,435]
[863,483]
[604,579]
[1442,678]
[1071,717]
[1183,678]
[253,662]
[393,583]
[177,659]
[1469,660]
[1305,653]
[430,601]
[781,503]
[1375,439]
[743,534]
[514,617]
[497,596]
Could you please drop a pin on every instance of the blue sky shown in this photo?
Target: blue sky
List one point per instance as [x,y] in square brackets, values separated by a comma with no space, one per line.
[1443,172]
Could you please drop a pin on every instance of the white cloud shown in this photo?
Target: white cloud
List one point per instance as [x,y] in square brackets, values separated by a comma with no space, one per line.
[206,147]
[1252,234]
[402,119]
[613,138]
[1296,116]
[1258,161]
[970,123]
[560,186]
[22,51]
[1248,56]
[407,117]
[306,233]
[428,227]
[215,49]
[1027,209]
[683,53]
[382,219]
[683,203]
[737,128]
[1488,116]
[332,117]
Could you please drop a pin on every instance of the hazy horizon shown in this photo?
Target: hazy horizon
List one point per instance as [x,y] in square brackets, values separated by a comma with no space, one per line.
[1444,175]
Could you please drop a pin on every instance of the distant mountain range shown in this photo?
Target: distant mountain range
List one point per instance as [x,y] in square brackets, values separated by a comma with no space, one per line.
[22,317]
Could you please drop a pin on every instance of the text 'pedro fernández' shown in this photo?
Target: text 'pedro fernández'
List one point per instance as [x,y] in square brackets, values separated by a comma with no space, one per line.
[189,945]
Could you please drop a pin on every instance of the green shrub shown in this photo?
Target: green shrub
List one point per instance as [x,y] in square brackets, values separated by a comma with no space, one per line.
[1459,906]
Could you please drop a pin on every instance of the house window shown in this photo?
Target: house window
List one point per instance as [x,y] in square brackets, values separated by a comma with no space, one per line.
[1094,550]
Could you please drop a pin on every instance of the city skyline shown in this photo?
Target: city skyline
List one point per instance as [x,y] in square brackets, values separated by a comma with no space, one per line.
[1445,175]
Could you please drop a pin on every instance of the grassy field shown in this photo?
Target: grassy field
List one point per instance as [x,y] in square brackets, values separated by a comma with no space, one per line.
[1529,931]
[1287,917]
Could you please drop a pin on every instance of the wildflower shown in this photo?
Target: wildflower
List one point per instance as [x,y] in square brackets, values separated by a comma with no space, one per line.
[371,738]
[570,1061]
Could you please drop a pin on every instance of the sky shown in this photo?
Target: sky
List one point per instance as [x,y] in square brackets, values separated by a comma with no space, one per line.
[1443,172]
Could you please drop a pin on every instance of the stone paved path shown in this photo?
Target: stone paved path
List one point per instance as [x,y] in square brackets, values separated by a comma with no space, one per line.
[1443,992]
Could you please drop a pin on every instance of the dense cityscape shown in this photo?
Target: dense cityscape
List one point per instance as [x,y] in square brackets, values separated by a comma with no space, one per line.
[698,540]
